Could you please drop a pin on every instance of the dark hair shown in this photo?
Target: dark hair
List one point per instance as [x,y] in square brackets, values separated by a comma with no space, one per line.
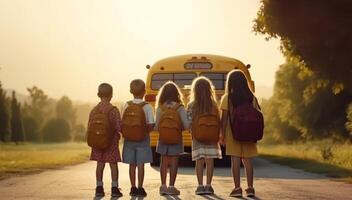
[169,92]
[237,89]
[105,90]
[137,87]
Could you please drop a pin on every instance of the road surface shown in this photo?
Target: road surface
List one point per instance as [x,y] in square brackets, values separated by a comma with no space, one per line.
[78,182]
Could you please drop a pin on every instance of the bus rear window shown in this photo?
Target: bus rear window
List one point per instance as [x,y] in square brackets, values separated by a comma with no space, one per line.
[181,79]
[218,79]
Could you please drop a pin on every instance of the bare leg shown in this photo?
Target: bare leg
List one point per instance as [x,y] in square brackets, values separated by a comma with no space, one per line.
[235,166]
[114,171]
[173,169]
[99,171]
[163,168]
[140,175]
[210,169]
[133,175]
[199,170]
[247,162]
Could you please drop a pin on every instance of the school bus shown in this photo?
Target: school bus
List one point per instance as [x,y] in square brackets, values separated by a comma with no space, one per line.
[182,70]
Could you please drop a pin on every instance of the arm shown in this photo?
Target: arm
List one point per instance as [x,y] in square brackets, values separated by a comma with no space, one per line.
[157,118]
[116,118]
[184,118]
[149,117]
[223,120]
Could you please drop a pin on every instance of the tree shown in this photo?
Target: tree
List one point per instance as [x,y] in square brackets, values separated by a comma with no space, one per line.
[349,119]
[4,115]
[316,32]
[39,109]
[64,110]
[17,133]
[31,129]
[56,130]
[79,133]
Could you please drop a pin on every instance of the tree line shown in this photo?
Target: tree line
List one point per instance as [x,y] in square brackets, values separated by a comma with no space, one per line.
[40,119]
[312,96]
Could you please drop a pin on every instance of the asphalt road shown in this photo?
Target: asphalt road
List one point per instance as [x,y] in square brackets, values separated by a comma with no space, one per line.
[272,181]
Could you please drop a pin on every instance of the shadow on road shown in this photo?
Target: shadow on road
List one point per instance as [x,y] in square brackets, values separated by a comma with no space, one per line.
[262,169]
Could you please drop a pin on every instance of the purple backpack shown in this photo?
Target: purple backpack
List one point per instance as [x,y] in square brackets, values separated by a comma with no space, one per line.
[247,123]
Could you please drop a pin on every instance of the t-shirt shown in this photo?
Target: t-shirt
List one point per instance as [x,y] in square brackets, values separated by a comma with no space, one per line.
[148,110]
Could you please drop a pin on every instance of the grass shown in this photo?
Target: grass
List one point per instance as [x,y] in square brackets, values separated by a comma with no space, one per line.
[323,157]
[28,158]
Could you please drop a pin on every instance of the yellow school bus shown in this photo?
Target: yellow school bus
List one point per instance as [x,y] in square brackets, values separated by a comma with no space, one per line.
[182,70]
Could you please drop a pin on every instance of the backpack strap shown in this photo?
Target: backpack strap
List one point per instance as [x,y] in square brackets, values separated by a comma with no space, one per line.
[176,106]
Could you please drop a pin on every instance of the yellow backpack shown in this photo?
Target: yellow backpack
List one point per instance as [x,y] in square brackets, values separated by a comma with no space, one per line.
[100,130]
[134,126]
[206,127]
[170,125]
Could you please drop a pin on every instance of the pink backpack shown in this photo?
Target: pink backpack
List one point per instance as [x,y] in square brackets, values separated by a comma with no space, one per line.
[247,123]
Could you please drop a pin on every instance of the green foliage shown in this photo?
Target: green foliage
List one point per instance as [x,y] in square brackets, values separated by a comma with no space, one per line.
[17,133]
[4,115]
[64,110]
[316,32]
[314,87]
[56,130]
[38,108]
[31,129]
[79,133]
[349,118]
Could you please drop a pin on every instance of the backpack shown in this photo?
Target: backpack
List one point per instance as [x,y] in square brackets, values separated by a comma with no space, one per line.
[206,127]
[170,125]
[134,126]
[100,130]
[247,123]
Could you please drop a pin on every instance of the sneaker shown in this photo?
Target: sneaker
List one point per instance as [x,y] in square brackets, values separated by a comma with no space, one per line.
[133,191]
[250,192]
[173,191]
[141,192]
[163,190]
[200,190]
[99,191]
[115,192]
[208,189]
[236,192]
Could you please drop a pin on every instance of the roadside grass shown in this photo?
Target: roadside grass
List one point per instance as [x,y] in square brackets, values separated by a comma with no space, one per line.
[29,157]
[323,157]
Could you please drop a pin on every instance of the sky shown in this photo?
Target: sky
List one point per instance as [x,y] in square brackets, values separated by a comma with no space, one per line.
[68,47]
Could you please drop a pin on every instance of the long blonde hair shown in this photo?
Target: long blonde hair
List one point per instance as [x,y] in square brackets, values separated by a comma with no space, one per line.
[202,96]
[169,92]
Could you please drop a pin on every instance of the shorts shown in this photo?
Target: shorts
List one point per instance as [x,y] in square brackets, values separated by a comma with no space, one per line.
[137,152]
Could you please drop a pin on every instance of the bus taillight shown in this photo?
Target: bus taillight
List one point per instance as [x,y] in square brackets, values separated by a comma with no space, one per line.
[150,97]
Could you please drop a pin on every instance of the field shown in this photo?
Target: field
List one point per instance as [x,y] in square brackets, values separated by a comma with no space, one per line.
[28,158]
[325,157]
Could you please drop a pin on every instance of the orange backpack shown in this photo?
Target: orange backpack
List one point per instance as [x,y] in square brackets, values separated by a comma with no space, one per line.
[170,125]
[206,127]
[134,126]
[100,130]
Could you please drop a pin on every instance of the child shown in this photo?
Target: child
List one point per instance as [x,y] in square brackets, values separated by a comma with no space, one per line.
[237,93]
[203,103]
[170,97]
[112,153]
[138,152]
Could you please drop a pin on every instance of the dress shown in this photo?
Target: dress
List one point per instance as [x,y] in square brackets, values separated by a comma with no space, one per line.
[111,154]
[234,147]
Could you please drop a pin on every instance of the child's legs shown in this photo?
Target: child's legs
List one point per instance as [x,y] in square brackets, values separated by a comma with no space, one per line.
[235,167]
[140,175]
[199,170]
[99,171]
[132,173]
[247,162]
[114,171]
[173,160]
[210,169]
[164,162]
